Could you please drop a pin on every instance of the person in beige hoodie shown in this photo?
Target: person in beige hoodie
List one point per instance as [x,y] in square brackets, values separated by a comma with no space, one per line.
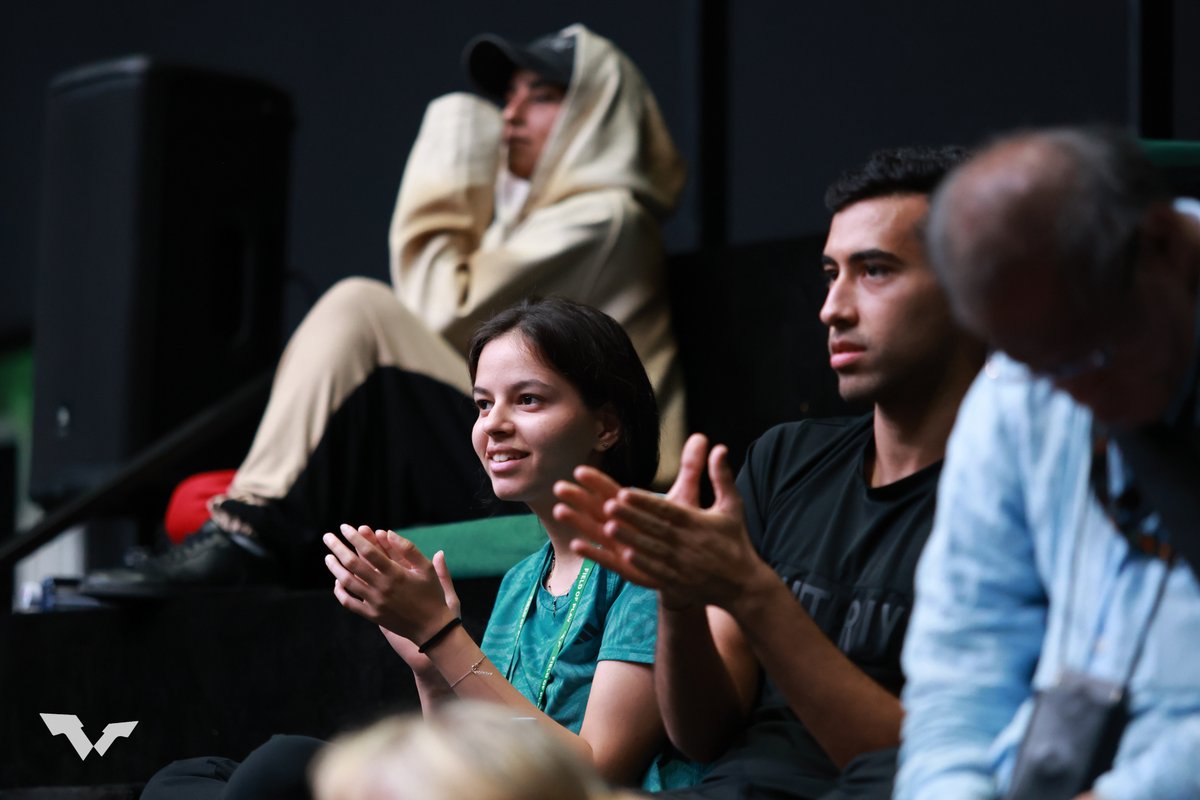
[554,182]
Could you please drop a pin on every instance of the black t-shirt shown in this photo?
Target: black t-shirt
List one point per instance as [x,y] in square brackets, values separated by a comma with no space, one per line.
[848,552]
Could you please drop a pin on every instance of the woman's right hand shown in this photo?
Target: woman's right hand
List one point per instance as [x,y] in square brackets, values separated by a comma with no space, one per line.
[386,580]
[432,688]
[406,648]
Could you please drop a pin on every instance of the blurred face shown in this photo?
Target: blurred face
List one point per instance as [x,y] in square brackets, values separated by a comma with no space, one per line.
[531,108]
[1123,358]
[533,427]
[890,329]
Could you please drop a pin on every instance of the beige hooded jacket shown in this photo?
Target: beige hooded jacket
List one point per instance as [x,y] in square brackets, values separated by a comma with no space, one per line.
[588,229]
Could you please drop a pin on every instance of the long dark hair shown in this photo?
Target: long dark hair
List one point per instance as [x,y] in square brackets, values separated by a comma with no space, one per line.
[592,351]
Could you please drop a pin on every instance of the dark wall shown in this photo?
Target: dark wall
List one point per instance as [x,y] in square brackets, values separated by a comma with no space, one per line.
[360,73]
[815,90]
[812,87]
[1186,57]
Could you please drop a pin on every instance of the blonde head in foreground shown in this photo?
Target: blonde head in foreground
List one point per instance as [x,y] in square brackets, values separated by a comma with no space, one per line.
[466,750]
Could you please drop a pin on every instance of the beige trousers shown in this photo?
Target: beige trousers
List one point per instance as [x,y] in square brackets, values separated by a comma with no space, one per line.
[355,328]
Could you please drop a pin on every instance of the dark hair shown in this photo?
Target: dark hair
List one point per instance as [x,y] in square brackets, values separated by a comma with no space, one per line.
[897,170]
[592,351]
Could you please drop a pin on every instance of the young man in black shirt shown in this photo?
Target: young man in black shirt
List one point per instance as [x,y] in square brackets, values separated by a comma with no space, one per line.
[790,687]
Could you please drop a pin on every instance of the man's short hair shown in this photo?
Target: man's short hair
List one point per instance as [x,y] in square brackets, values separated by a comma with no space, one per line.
[896,170]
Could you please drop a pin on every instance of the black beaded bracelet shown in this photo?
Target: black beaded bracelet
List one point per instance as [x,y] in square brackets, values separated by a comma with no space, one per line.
[441,634]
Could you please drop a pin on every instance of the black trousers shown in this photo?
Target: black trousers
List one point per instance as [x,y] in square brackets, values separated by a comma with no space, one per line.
[868,777]
[277,770]
[396,453]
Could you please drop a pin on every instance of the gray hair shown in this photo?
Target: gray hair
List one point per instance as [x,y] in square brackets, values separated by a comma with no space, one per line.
[1114,186]
[1084,206]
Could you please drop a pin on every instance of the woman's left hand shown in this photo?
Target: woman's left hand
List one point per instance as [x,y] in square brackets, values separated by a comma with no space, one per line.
[392,585]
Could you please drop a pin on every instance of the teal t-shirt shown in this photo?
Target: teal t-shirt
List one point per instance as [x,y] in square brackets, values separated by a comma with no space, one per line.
[614,621]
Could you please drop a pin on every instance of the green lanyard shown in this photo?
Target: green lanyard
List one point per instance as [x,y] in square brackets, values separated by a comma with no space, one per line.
[581,579]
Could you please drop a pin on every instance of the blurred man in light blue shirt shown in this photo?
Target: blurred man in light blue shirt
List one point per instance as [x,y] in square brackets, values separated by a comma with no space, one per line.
[1063,249]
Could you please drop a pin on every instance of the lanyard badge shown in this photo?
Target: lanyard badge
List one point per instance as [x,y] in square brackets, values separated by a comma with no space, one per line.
[585,572]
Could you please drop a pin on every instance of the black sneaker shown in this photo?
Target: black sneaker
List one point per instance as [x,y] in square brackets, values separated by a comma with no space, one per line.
[210,558]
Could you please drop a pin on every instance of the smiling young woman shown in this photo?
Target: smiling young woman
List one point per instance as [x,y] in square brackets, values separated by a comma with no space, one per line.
[533,426]
[570,645]
[557,384]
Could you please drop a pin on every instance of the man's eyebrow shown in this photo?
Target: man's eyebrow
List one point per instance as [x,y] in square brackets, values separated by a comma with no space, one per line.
[543,83]
[873,254]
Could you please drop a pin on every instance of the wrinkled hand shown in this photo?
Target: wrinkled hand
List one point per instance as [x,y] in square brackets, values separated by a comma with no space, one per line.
[384,578]
[691,555]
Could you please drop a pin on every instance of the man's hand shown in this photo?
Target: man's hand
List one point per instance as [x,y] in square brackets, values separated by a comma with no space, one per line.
[693,556]
[581,505]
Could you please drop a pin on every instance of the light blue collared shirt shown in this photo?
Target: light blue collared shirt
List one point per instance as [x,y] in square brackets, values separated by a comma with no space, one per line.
[1024,577]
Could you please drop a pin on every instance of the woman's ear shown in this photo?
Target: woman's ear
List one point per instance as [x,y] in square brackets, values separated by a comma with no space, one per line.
[608,428]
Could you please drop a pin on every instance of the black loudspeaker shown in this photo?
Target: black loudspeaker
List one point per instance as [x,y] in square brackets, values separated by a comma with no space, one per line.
[161,258]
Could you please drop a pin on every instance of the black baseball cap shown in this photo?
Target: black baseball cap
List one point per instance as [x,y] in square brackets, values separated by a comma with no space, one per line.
[491,60]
